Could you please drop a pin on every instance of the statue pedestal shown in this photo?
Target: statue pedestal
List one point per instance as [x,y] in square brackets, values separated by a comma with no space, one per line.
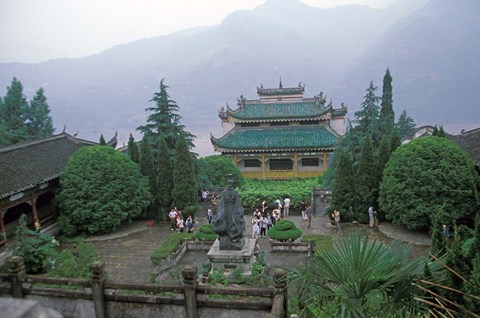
[231,260]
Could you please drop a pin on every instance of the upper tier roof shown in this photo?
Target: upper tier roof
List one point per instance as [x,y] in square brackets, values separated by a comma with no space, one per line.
[24,166]
[276,139]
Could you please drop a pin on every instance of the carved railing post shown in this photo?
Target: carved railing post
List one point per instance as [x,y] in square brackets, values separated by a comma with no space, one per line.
[280,277]
[97,281]
[17,268]
[189,274]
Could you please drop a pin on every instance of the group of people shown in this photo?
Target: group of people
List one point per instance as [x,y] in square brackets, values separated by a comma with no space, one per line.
[278,206]
[178,223]
[261,222]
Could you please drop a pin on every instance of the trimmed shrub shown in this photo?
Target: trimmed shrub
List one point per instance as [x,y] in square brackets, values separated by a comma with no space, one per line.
[205,232]
[284,230]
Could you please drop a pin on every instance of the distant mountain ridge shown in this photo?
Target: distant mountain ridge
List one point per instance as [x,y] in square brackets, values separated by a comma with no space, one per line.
[337,51]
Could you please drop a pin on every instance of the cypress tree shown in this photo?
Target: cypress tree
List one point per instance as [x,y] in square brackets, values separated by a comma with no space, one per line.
[164,177]
[39,123]
[14,109]
[344,188]
[387,115]
[133,149]
[184,192]
[366,186]
[102,141]
[395,141]
[405,126]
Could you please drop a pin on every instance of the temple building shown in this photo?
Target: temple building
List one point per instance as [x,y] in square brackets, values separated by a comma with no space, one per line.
[282,134]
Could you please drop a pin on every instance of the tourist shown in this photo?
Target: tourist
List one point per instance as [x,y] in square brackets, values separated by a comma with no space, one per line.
[257,213]
[303,207]
[37,225]
[173,219]
[273,219]
[204,196]
[336,218]
[209,214]
[308,214]
[371,216]
[189,223]
[276,214]
[264,226]
[286,206]
[180,224]
[446,231]
[278,204]
[255,228]
[264,205]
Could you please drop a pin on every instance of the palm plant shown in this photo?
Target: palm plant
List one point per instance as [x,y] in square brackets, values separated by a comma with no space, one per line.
[361,278]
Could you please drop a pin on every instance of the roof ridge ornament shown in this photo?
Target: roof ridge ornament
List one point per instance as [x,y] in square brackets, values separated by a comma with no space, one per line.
[241,102]
[280,85]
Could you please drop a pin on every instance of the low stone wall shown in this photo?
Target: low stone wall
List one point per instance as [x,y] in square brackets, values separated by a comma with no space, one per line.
[199,245]
[298,247]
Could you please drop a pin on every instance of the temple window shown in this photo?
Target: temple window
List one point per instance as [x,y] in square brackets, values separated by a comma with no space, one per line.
[252,163]
[281,164]
[310,162]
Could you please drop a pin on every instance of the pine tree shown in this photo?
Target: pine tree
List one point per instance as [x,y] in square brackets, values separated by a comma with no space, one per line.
[39,124]
[184,192]
[164,176]
[14,108]
[133,149]
[367,118]
[405,126]
[102,141]
[366,186]
[147,167]
[165,120]
[344,188]
[387,115]
[395,141]
[441,132]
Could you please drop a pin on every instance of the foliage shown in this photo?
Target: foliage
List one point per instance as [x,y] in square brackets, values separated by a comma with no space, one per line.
[217,168]
[33,247]
[366,118]
[14,111]
[102,141]
[366,184]
[363,278]
[321,242]
[387,115]
[169,246]
[163,191]
[165,120]
[147,167]
[343,192]
[100,189]
[38,121]
[205,232]
[184,191]
[405,126]
[133,150]
[284,230]
[254,191]
[423,176]
[75,262]
[217,277]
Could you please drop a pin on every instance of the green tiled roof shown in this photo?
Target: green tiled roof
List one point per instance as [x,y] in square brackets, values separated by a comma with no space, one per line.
[287,110]
[280,91]
[277,138]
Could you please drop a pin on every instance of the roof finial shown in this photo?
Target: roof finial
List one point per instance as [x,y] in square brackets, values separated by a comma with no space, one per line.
[280,86]
[64,128]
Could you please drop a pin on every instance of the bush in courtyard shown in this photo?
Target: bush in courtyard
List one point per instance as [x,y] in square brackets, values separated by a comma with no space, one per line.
[100,189]
[205,232]
[284,230]
[217,168]
[427,176]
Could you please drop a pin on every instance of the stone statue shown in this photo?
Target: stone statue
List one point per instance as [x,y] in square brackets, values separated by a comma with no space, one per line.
[229,223]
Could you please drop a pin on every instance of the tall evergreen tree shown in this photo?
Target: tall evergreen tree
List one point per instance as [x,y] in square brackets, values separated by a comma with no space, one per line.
[102,141]
[366,118]
[133,149]
[405,126]
[366,185]
[14,108]
[382,159]
[387,115]
[147,167]
[344,188]
[39,124]
[395,140]
[163,193]
[185,190]
[165,120]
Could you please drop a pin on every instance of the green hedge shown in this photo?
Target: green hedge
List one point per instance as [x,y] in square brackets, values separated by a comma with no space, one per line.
[205,232]
[322,242]
[284,230]
[169,246]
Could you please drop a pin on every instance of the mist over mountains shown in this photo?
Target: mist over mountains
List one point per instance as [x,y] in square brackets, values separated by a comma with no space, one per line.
[431,48]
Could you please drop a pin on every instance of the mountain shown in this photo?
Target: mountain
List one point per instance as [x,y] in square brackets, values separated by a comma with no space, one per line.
[337,51]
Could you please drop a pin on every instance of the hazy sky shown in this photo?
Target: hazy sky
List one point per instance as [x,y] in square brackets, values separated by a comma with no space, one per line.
[38,30]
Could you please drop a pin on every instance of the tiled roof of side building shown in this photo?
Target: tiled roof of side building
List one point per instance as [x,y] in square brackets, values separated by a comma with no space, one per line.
[24,166]
[282,110]
[277,138]
[470,141]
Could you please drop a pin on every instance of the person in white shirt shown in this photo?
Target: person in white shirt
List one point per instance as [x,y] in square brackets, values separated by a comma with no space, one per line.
[286,206]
